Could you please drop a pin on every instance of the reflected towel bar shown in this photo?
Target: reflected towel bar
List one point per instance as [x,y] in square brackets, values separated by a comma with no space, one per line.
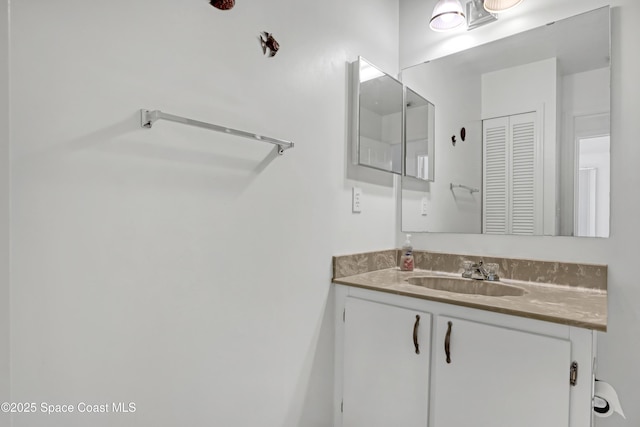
[471,189]
[148,118]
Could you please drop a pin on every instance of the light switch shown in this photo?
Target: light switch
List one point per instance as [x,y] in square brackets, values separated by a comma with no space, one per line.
[356,200]
[423,206]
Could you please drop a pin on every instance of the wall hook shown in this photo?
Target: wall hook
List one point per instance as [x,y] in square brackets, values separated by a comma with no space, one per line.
[223,4]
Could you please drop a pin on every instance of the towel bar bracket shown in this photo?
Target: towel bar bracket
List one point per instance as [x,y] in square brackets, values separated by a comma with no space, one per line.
[147,119]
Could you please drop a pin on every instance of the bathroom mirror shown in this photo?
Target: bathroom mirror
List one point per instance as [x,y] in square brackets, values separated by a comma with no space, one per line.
[419,136]
[378,115]
[522,134]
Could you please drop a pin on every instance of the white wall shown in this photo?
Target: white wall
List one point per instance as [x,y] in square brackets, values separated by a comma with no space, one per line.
[619,348]
[419,121]
[594,154]
[585,108]
[522,89]
[184,270]
[4,212]
[449,210]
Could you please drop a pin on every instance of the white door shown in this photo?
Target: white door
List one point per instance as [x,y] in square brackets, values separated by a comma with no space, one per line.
[512,180]
[525,176]
[495,202]
[499,377]
[586,207]
[593,182]
[385,381]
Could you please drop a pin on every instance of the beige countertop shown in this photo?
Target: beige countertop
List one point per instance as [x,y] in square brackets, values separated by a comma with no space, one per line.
[568,305]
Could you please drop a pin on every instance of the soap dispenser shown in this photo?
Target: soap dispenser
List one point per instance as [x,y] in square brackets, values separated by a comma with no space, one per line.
[406,260]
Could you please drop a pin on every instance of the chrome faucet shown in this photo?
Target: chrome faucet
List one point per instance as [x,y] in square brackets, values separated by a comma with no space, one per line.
[478,272]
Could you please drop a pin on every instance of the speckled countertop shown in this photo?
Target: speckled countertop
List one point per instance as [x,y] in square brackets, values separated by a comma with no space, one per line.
[584,307]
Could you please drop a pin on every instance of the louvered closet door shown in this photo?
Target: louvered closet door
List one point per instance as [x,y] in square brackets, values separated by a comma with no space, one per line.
[524,210]
[495,201]
[512,201]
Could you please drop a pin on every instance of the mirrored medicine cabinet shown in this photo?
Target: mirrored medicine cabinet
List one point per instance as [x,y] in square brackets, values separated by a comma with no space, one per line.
[393,126]
[533,158]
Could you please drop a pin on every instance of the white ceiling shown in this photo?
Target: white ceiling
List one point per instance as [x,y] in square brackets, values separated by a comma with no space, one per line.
[581,43]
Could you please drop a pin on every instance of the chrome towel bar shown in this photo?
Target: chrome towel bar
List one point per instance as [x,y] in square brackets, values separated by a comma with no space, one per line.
[471,189]
[148,118]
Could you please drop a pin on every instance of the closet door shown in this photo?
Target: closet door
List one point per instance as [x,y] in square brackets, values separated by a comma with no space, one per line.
[525,207]
[512,193]
[495,203]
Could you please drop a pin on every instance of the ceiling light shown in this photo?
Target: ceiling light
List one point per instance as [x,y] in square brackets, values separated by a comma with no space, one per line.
[497,6]
[447,15]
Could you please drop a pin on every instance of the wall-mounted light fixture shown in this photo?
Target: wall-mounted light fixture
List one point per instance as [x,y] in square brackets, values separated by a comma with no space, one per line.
[447,15]
[477,15]
[497,6]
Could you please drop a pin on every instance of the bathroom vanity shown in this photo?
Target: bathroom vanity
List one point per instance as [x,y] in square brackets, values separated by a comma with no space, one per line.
[429,347]
[412,355]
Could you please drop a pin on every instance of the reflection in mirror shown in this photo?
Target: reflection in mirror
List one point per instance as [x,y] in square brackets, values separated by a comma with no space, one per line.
[591,216]
[379,105]
[414,205]
[419,137]
[536,109]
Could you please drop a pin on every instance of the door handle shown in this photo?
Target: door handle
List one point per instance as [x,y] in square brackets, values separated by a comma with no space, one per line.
[447,342]
[415,334]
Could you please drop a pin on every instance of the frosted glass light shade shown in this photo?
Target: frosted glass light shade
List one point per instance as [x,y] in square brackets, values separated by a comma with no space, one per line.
[447,15]
[497,6]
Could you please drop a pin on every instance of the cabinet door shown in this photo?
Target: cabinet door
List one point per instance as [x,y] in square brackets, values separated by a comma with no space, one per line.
[385,382]
[499,377]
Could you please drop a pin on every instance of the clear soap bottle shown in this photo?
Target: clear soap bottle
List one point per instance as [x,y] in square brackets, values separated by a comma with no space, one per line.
[406,259]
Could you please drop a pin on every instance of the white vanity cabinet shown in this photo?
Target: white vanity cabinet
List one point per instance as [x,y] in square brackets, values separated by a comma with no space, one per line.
[499,377]
[386,365]
[503,370]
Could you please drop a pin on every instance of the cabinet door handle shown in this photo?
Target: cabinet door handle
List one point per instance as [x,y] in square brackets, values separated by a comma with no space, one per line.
[415,334]
[447,342]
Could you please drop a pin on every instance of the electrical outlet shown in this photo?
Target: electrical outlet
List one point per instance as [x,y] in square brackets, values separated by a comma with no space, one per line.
[356,200]
[424,204]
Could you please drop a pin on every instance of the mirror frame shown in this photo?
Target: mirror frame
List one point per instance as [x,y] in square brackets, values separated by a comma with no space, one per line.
[356,122]
[356,93]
